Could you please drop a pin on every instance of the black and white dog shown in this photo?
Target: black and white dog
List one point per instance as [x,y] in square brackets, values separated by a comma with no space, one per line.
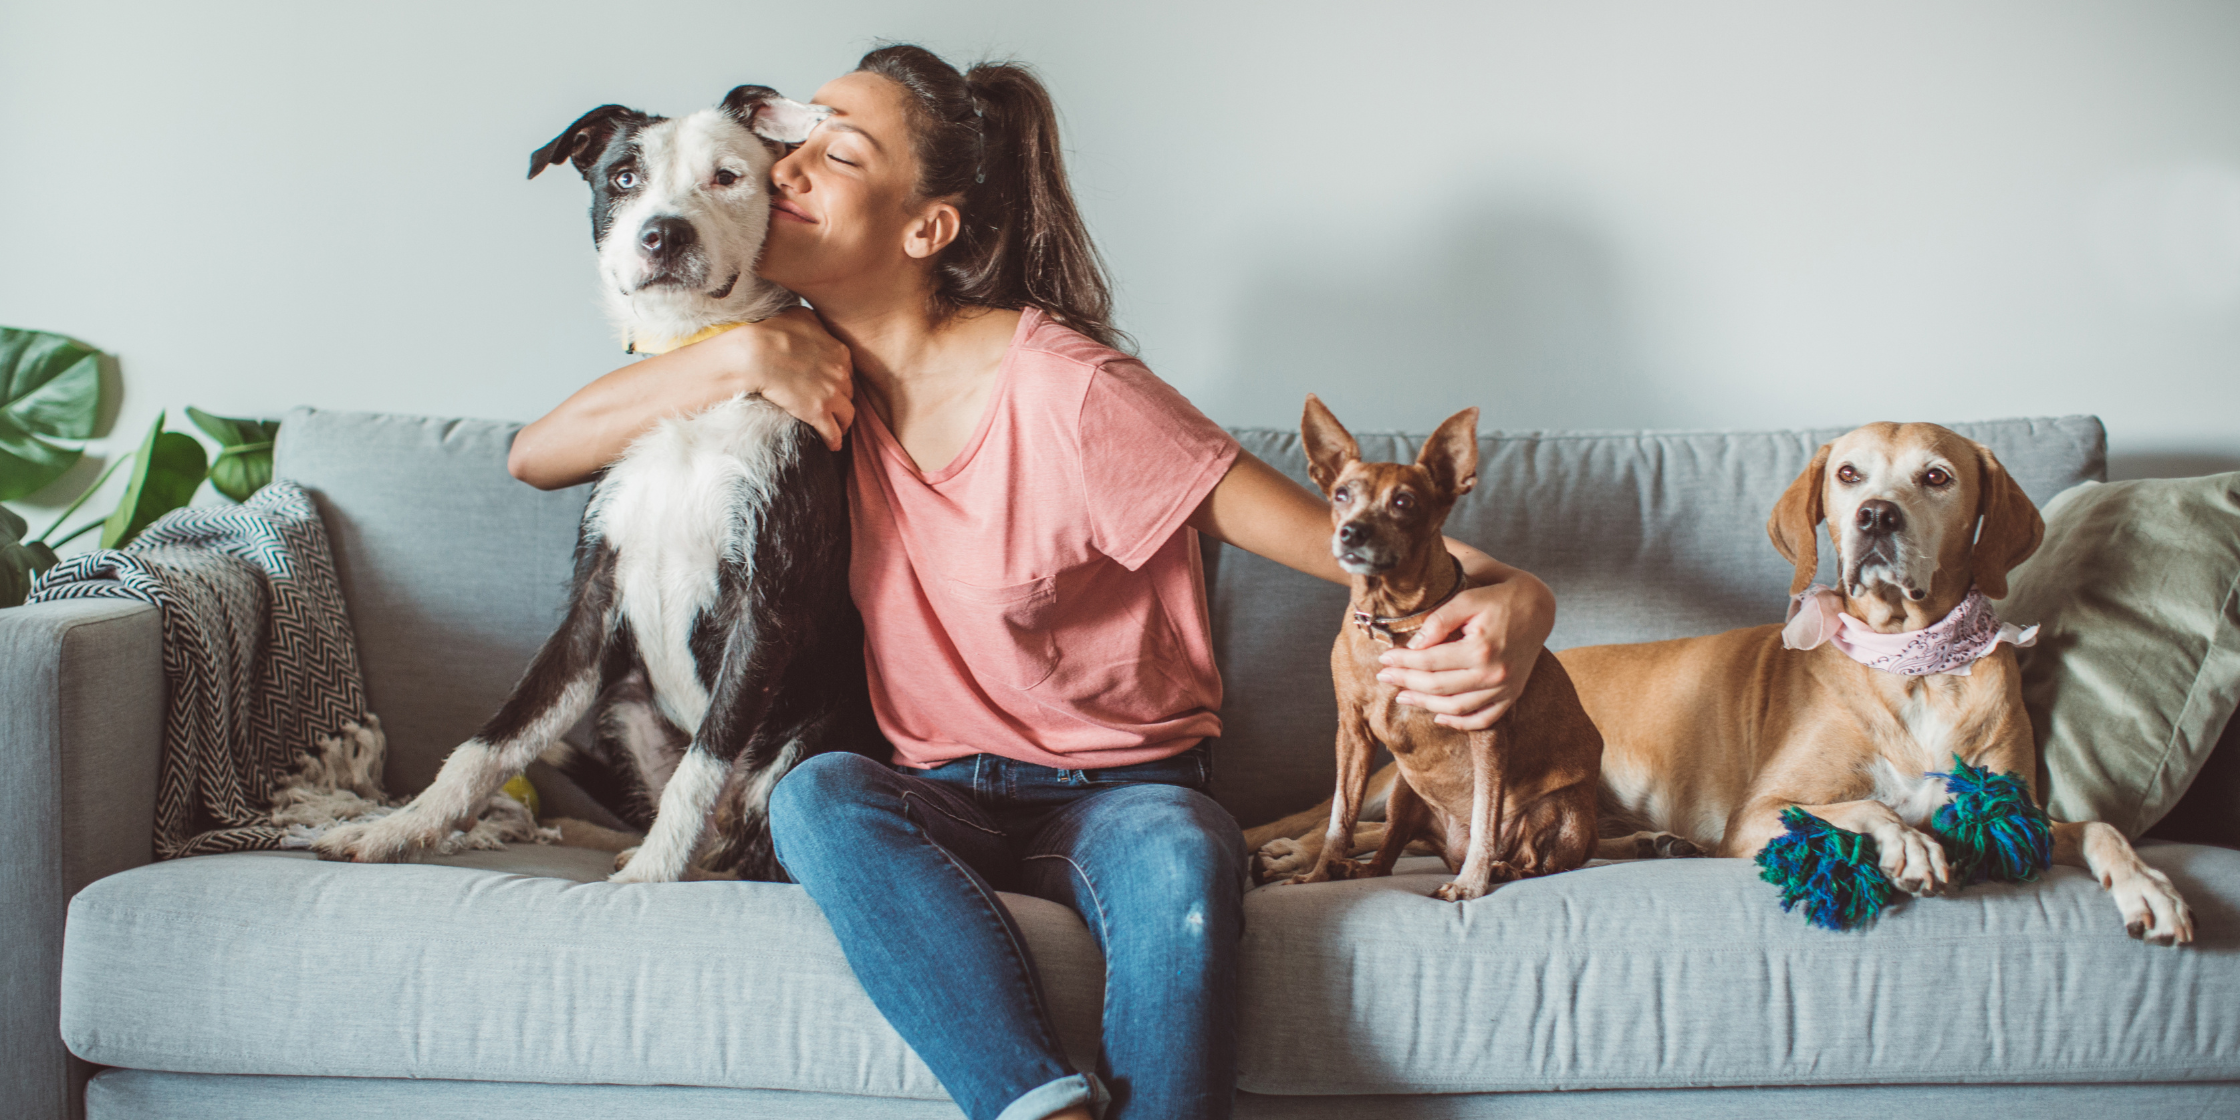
[710,619]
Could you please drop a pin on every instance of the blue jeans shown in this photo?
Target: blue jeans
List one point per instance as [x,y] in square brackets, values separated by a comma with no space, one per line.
[906,864]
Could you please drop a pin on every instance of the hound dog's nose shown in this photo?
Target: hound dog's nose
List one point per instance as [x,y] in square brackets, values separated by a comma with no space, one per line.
[1352,533]
[1880,518]
[665,237]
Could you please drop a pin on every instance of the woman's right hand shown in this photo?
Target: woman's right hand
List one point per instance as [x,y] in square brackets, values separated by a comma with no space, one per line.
[789,358]
[797,365]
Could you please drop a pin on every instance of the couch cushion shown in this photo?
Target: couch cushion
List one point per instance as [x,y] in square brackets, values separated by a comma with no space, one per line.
[2136,671]
[1686,972]
[454,573]
[1643,536]
[510,966]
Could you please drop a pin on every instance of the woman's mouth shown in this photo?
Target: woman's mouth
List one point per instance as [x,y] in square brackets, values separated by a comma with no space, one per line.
[781,207]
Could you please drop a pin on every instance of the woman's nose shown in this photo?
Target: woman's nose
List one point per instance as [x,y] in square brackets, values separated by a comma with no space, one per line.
[786,174]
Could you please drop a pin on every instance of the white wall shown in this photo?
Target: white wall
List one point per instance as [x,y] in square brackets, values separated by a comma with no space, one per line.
[1580,214]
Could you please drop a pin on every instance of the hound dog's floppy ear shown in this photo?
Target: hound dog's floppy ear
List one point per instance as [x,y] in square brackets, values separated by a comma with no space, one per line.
[1330,448]
[2011,526]
[1795,524]
[1451,454]
[772,117]
[580,143]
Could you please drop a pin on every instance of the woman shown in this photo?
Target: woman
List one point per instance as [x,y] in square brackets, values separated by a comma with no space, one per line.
[1037,638]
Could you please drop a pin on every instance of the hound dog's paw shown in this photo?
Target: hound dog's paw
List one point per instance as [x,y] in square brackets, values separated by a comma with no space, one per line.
[398,836]
[2152,910]
[1912,859]
[1281,858]
[1329,872]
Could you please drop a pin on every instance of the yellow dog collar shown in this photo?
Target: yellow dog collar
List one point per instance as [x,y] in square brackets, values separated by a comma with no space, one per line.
[663,346]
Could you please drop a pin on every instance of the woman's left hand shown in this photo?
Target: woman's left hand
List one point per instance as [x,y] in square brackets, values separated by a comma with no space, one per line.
[1472,657]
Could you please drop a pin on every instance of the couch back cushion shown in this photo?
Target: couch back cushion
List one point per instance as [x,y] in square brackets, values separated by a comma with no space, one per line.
[1643,536]
[455,573]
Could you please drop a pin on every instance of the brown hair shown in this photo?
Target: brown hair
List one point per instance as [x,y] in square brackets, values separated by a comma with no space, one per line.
[989,137]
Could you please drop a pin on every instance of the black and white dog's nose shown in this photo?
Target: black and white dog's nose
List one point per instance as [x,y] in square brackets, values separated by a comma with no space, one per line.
[1352,533]
[665,237]
[1880,518]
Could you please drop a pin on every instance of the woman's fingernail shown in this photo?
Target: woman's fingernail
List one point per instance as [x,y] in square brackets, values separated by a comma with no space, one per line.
[1387,677]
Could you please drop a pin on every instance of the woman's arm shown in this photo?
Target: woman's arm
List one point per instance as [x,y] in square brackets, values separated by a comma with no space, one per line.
[1471,658]
[789,358]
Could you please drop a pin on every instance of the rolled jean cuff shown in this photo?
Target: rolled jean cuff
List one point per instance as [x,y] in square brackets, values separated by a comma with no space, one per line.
[1065,1092]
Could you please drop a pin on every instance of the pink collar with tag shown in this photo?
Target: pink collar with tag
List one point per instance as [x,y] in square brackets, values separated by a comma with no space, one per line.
[1949,645]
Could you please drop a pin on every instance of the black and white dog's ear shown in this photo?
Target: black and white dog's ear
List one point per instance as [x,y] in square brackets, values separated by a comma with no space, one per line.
[773,117]
[580,143]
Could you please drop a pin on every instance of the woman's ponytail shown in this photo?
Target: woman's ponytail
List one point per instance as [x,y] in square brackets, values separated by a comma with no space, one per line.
[989,137]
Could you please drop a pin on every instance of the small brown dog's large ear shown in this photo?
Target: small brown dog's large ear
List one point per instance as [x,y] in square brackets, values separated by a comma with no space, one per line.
[2011,528]
[1329,445]
[1451,454]
[1795,524]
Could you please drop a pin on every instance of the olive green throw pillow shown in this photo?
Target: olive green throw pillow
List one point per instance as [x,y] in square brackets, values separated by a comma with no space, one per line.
[2136,591]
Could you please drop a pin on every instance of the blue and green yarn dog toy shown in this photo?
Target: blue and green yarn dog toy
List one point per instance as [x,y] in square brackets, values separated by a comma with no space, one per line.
[1991,832]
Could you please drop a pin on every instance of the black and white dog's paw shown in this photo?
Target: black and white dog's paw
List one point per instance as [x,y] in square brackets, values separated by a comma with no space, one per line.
[643,864]
[389,839]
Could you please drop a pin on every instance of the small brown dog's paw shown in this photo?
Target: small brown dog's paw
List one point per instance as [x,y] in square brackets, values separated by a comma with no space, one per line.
[1458,892]
[1665,845]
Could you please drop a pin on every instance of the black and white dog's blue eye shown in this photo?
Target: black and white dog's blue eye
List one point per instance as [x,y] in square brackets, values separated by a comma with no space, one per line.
[725,177]
[625,180]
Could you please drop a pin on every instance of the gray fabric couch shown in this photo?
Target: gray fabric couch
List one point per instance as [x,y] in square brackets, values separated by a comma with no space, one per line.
[517,984]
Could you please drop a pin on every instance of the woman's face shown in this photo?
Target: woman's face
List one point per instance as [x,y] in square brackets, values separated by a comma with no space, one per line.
[844,210]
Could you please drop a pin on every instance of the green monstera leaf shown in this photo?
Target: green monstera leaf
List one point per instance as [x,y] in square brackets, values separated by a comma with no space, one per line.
[244,462]
[166,471]
[18,561]
[49,387]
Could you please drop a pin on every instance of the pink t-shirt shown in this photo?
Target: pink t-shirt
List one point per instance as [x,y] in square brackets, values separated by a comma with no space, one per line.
[1039,596]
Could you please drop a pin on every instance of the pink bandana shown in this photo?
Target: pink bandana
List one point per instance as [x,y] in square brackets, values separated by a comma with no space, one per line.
[1816,617]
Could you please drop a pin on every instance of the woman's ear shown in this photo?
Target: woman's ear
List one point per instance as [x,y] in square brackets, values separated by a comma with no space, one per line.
[1795,524]
[932,230]
[2011,527]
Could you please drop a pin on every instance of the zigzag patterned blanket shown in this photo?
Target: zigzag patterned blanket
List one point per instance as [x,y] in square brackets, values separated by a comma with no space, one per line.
[257,652]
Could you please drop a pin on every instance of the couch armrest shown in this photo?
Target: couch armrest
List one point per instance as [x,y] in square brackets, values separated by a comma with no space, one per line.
[81,734]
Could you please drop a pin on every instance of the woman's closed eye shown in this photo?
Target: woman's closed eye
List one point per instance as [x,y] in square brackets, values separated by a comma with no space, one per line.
[838,160]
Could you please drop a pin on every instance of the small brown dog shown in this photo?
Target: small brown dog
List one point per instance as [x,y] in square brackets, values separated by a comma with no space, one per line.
[1510,802]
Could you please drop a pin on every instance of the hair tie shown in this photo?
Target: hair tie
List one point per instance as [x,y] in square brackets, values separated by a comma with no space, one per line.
[979,140]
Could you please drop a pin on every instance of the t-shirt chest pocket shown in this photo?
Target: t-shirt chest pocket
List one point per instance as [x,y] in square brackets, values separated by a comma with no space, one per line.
[1009,627]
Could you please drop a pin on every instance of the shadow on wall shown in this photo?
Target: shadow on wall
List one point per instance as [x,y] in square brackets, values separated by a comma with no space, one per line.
[2170,464]
[1519,311]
